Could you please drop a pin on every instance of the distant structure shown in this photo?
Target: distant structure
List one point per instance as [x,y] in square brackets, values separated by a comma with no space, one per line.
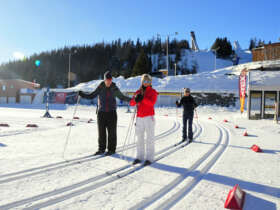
[263,95]
[17,91]
[236,46]
[267,52]
[194,43]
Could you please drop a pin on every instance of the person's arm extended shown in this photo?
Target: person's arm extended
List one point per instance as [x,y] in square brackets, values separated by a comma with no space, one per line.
[93,94]
[120,95]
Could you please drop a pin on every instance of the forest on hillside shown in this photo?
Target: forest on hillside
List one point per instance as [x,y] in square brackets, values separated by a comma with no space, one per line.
[89,62]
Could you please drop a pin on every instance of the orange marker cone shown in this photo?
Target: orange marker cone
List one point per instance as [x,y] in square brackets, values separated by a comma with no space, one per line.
[256,148]
[235,199]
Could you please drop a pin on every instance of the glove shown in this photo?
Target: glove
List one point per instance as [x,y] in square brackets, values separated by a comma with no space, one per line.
[177,103]
[138,98]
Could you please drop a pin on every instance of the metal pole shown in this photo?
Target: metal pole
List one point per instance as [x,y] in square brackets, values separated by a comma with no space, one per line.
[167,63]
[277,106]
[69,70]
[175,68]
[215,59]
[215,50]
[263,104]
[71,124]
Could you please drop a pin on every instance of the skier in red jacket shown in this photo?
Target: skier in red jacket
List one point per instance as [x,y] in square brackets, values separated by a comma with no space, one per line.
[145,99]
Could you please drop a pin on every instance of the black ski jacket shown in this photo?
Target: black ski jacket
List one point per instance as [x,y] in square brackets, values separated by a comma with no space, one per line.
[188,103]
[106,96]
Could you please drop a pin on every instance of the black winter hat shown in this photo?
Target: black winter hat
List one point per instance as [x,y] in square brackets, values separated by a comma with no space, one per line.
[107,75]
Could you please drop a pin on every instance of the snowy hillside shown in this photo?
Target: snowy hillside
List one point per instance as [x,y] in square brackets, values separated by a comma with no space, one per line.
[220,80]
[206,80]
[202,82]
[204,59]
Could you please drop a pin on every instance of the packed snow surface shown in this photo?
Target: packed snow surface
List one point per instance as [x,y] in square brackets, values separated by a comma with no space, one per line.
[34,174]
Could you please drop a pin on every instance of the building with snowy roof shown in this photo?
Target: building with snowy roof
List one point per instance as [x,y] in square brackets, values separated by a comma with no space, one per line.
[263,94]
[267,52]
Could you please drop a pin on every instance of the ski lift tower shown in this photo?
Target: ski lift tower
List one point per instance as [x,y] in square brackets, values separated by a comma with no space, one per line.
[194,43]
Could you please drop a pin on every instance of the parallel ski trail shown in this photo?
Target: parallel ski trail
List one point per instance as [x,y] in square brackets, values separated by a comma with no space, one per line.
[167,204]
[196,179]
[110,176]
[59,165]
[113,176]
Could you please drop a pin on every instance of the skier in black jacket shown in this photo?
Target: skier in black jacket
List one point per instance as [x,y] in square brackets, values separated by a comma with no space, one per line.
[189,105]
[107,91]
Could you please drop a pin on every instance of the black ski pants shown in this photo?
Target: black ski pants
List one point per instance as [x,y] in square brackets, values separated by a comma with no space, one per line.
[107,123]
[187,118]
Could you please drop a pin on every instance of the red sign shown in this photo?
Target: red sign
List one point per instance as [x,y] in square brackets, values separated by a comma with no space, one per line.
[242,89]
[242,84]
[60,97]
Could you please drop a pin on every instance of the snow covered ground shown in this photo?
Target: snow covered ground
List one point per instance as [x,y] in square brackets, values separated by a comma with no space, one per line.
[220,80]
[33,174]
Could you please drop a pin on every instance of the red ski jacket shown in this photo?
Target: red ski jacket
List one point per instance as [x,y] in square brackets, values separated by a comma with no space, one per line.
[146,106]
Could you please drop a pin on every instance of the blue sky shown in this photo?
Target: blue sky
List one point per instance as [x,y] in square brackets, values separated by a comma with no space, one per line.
[33,26]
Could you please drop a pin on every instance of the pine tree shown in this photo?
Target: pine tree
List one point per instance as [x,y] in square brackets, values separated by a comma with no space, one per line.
[177,55]
[222,47]
[142,64]
[252,44]
[261,43]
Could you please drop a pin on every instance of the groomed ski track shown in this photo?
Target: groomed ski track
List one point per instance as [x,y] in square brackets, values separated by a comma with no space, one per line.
[67,163]
[158,200]
[203,164]
[43,169]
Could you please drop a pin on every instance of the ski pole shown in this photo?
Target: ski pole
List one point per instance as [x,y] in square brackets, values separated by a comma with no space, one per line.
[129,129]
[177,121]
[196,115]
[71,123]
[128,133]
[196,119]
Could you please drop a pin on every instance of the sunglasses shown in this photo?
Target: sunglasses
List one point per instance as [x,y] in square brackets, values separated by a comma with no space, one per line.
[146,81]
